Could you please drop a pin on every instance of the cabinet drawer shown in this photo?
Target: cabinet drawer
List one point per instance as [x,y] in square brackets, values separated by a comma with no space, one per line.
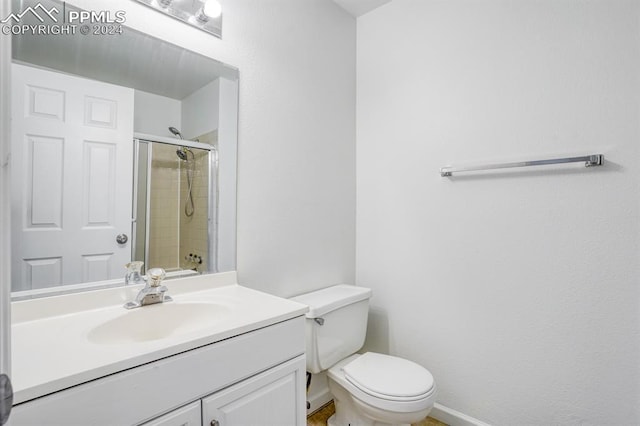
[145,392]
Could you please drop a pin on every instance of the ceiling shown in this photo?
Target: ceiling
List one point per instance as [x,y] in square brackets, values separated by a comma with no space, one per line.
[358,8]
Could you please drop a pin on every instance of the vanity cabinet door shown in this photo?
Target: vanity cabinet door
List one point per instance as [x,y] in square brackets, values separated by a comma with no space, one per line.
[275,397]
[189,415]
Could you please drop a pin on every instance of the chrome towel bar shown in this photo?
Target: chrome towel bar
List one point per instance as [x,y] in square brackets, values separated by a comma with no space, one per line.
[589,161]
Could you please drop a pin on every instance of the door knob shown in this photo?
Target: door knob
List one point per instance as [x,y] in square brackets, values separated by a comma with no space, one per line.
[122,239]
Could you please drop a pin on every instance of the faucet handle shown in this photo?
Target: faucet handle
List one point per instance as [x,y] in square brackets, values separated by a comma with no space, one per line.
[133,272]
[135,265]
[156,275]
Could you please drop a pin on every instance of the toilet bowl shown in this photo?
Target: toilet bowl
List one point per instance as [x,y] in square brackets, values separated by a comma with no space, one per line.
[376,389]
[368,389]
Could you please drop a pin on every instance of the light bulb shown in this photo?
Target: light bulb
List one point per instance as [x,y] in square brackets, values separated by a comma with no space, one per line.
[212,9]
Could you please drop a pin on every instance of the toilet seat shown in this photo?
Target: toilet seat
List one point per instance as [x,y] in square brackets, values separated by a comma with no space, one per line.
[389,377]
[360,387]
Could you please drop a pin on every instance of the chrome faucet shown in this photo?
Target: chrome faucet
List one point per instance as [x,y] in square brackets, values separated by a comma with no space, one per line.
[153,292]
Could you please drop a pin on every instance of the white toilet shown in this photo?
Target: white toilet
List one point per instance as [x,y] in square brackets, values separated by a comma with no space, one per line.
[368,389]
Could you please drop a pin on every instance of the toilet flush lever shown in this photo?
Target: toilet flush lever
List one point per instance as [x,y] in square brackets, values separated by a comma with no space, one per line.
[319,321]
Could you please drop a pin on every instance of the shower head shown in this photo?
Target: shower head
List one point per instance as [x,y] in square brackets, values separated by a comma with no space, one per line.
[182,153]
[175,132]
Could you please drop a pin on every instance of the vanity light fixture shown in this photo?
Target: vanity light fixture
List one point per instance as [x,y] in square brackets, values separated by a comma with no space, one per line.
[203,14]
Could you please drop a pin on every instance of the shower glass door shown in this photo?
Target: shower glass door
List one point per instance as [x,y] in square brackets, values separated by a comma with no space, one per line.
[174,208]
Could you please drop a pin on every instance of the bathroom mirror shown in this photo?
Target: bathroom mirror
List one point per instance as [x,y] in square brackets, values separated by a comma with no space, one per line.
[98,178]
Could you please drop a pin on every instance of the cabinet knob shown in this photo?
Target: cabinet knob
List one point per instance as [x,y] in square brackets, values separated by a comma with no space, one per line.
[214,423]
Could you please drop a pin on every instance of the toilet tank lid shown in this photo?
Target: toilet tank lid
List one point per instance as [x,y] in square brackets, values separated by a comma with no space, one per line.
[328,299]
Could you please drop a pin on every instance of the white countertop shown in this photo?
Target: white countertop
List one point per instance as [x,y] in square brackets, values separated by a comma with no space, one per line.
[52,348]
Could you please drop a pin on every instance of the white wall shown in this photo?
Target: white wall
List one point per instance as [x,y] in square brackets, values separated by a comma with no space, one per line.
[5,196]
[227,185]
[200,111]
[296,156]
[519,290]
[296,164]
[154,114]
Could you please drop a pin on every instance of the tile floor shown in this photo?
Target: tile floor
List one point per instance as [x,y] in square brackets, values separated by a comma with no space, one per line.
[319,418]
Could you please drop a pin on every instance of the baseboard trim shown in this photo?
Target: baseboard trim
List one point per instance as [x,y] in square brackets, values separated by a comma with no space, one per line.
[439,412]
[454,418]
[318,400]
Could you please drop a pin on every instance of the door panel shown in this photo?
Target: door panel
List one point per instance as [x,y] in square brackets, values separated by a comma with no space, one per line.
[73,154]
[43,197]
[42,273]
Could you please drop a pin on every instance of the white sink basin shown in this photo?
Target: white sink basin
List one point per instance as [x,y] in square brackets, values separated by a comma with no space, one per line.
[154,322]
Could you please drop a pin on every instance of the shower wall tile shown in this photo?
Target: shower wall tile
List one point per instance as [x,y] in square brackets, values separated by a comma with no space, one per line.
[164,221]
[194,229]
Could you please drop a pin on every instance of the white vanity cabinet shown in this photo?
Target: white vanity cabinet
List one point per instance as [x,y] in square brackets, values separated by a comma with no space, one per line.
[269,398]
[255,378]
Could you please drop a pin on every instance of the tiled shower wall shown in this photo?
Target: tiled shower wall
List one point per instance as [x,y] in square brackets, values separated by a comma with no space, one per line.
[193,230]
[164,214]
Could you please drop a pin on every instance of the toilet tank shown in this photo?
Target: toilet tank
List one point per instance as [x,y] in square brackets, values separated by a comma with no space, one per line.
[336,324]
